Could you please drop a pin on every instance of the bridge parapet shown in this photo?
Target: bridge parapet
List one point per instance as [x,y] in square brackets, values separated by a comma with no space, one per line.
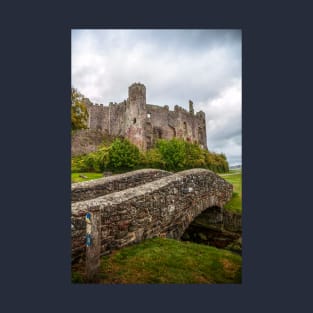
[102,186]
[162,208]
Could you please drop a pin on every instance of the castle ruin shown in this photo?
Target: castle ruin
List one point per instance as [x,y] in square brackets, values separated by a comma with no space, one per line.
[143,124]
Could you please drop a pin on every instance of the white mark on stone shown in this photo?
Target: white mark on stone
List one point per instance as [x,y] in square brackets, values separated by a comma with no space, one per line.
[171,208]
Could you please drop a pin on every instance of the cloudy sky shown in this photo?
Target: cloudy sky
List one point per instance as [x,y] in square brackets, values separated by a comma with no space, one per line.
[175,66]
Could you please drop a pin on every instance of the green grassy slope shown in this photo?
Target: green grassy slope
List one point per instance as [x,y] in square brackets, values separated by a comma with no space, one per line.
[161,260]
[235,178]
[76,176]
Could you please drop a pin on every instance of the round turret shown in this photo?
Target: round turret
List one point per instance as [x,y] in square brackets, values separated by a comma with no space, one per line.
[137,91]
[136,115]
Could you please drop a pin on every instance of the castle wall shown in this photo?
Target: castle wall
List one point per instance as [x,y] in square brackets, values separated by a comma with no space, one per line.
[158,115]
[178,123]
[158,125]
[84,141]
[98,117]
[117,119]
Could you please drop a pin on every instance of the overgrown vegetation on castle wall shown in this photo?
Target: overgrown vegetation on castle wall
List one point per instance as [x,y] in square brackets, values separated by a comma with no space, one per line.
[173,155]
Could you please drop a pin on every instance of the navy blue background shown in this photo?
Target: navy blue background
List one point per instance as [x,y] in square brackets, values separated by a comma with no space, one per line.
[35,156]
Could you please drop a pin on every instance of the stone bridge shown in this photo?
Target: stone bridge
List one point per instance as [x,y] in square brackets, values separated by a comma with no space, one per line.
[127,208]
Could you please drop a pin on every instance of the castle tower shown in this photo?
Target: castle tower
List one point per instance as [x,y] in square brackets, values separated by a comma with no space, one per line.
[201,129]
[137,95]
[191,110]
[135,115]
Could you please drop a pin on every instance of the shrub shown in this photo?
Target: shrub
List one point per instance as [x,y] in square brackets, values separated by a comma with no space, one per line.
[177,154]
[123,155]
[92,162]
[216,162]
[153,159]
[194,156]
[101,158]
[79,164]
[172,153]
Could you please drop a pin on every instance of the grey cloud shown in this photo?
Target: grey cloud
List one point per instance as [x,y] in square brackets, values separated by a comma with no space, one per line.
[188,39]
[226,134]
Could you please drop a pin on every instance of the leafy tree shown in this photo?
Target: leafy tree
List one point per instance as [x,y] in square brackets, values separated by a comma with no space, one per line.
[78,164]
[96,161]
[216,162]
[194,156]
[172,152]
[123,155]
[102,158]
[79,113]
[153,158]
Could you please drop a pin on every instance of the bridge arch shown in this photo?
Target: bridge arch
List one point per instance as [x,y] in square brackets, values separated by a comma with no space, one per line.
[214,226]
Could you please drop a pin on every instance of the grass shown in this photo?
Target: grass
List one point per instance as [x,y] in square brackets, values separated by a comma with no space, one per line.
[169,261]
[235,178]
[76,176]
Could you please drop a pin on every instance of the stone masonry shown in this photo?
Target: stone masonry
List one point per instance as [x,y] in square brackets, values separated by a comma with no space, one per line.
[143,124]
[99,187]
[164,207]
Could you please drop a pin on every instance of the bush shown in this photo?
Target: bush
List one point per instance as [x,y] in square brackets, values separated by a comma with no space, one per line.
[177,154]
[153,159]
[92,162]
[195,156]
[172,153]
[101,158]
[123,155]
[216,162]
[79,164]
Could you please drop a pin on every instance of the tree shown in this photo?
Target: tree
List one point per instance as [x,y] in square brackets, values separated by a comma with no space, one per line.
[153,158]
[79,113]
[195,156]
[216,162]
[173,153]
[123,155]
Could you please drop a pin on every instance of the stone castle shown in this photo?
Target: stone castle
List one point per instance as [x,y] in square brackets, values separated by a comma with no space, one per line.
[143,124]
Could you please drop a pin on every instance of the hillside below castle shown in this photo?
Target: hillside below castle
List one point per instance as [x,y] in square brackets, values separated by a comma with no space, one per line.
[141,123]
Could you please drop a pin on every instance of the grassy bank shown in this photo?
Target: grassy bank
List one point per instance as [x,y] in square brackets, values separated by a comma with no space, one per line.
[161,260]
[235,178]
[77,177]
